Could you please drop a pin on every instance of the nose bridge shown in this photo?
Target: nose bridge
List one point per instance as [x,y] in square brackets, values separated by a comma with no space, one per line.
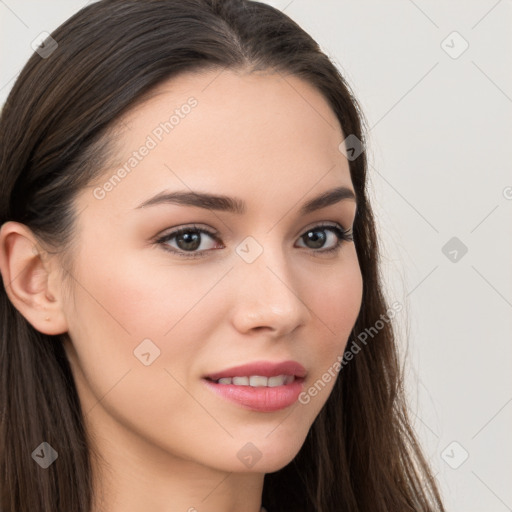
[269,295]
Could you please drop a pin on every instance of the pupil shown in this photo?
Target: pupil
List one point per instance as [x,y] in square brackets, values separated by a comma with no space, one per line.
[318,241]
[191,240]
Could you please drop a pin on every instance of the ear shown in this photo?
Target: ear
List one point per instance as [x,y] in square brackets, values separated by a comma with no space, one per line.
[30,279]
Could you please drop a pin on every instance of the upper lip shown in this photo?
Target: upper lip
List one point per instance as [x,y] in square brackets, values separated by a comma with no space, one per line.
[262,368]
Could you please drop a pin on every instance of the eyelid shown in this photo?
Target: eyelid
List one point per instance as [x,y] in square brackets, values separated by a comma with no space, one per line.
[324,224]
[185,227]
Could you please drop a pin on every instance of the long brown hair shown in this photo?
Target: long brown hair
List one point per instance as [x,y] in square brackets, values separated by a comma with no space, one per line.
[361,453]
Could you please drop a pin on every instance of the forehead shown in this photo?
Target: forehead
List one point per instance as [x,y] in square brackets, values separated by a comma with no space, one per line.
[219,130]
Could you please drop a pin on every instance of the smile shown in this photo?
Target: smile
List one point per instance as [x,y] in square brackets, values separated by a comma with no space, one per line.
[261,386]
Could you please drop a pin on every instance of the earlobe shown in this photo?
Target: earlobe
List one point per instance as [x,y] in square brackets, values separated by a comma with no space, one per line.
[25,275]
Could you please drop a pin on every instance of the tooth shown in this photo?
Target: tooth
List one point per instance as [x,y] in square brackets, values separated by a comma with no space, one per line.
[241,381]
[257,380]
[278,380]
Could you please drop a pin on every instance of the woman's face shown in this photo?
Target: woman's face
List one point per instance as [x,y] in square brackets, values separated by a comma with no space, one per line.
[149,326]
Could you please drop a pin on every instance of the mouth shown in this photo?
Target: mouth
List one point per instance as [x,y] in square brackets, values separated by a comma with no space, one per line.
[261,386]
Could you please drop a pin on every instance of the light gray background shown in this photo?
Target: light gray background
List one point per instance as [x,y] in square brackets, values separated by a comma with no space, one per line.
[440,153]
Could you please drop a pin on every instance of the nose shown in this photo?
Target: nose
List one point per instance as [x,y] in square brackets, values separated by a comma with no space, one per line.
[267,296]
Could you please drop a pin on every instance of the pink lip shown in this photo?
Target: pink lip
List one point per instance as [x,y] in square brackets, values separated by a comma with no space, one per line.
[261,399]
[263,368]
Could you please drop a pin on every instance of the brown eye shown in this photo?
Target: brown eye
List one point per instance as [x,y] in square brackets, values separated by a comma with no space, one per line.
[192,241]
[317,237]
[188,240]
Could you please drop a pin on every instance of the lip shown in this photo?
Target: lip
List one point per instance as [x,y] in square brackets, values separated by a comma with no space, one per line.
[260,399]
[263,368]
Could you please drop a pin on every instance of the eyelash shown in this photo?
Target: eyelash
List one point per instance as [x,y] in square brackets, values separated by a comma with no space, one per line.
[344,235]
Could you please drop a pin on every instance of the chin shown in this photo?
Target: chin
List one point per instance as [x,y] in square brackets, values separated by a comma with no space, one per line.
[265,454]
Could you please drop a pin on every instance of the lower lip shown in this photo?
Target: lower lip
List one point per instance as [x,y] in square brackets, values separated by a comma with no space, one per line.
[262,399]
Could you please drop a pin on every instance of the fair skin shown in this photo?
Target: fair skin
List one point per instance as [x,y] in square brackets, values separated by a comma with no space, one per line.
[169,443]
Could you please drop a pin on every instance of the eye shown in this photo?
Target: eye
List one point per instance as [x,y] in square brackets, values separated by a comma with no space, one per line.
[317,237]
[189,241]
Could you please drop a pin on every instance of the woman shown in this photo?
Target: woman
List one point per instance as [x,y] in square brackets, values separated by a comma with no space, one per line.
[192,315]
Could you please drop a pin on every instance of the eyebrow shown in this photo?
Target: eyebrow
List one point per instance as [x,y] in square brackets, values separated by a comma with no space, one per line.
[238,206]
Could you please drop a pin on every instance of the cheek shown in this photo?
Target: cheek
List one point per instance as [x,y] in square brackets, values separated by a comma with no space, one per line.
[141,297]
[130,311]
[334,299]
[123,304]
